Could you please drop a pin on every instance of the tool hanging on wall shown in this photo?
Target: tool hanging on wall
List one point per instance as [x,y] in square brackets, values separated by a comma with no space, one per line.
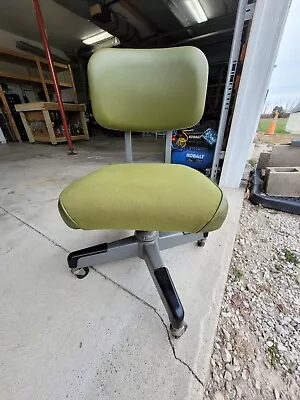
[44,36]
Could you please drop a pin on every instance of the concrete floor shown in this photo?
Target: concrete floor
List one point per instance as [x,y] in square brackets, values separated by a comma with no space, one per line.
[104,336]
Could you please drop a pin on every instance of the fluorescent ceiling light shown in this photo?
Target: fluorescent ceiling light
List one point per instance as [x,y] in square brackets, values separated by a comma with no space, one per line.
[188,12]
[196,10]
[112,42]
[99,37]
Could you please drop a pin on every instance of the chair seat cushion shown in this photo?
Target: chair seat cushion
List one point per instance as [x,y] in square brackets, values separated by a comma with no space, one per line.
[148,197]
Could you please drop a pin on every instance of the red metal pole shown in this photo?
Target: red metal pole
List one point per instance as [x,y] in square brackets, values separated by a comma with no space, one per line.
[44,36]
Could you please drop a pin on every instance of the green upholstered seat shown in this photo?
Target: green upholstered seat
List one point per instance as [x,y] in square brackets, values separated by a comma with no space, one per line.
[148,90]
[148,197]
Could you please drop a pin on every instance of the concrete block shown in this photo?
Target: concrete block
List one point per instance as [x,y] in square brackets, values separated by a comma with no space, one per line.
[263,161]
[285,156]
[283,181]
[295,141]
[293,123]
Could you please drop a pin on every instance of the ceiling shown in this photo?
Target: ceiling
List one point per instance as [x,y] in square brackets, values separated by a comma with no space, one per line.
[65,29]
[67,23]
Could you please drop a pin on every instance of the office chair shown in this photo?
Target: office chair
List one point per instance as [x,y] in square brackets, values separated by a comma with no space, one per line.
[166,205]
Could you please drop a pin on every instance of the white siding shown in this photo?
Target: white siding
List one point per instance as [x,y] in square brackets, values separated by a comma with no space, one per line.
[266,31]
[293,123]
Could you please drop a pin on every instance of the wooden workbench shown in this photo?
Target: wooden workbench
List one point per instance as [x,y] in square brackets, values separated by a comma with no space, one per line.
[34,71]
[42,121]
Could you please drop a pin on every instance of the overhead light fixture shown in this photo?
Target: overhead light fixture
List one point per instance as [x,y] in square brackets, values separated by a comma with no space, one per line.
[196,9]
[112,42]
[99,37]
[188,12]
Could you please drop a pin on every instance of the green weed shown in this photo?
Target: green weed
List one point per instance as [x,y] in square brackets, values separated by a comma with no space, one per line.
[273,354]
[238,274]
[252,162]
[290,256]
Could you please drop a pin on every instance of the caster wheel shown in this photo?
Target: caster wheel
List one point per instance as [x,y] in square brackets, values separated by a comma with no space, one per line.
[201,243]
[81,272]
[177,333]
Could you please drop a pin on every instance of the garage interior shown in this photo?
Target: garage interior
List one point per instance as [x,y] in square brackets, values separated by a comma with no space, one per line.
[98,337]
[25,77]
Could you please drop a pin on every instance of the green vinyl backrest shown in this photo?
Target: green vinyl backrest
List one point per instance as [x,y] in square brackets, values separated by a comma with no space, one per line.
[148,90]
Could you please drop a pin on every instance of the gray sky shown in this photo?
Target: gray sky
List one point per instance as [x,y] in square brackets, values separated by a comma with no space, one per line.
[284,87]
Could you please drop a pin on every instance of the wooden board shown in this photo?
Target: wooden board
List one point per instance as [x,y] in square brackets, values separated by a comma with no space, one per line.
[84,125]
[32,79]
[67,107]
[78,137]
[44,139]
[19,77]
[51,106]
[22,58]
[35,115]
[42,79]
[63,85]
[10,117]
[49,127]
[27,128]
[73,84]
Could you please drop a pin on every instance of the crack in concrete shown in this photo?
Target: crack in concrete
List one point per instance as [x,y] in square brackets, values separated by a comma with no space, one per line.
[120,287]
[159,316]
[34,229]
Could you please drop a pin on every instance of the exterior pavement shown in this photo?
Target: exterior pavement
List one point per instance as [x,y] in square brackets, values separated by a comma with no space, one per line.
[105,336]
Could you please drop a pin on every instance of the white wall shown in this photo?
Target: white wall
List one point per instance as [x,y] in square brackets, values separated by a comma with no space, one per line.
[8,40]
[2,138]
[265,35]
[293,123]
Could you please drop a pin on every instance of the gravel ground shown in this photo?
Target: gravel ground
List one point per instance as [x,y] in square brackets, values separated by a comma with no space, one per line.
[257,347]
